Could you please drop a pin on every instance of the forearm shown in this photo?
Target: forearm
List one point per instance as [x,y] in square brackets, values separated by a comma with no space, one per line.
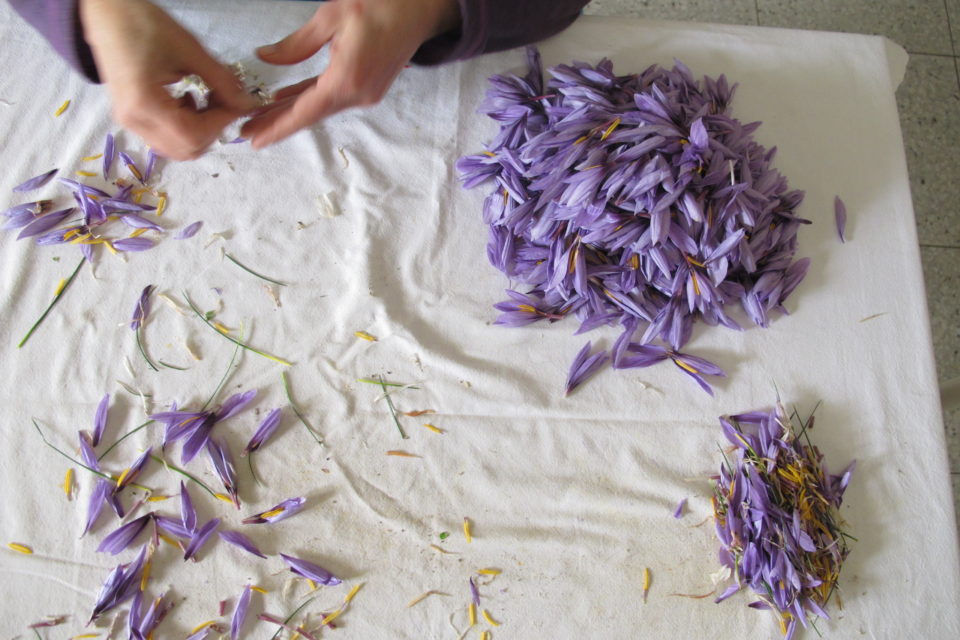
[495,25]
[59,22]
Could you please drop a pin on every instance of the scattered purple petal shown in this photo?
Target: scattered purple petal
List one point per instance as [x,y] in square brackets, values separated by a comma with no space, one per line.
[100,420]
[45,222]
[109,151]
[123,536]
[840,213]
[238,539]
[142,310]
[583,367]
[310,571]
[280,512]
[35,182]
[190,230]
[240,613]
[200,537]
[263,432]
[188,514]
[133,244]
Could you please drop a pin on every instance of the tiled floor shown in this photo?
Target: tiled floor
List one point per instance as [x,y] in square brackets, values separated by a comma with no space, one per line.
[929,101]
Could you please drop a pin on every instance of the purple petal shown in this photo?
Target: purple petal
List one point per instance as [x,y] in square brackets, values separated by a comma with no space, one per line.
[474,592]
[583,367]
[132,167]
[234,404]
[139,222]
[151,161]
[109,151]
[100,419]
[98,497]
[190,230]
[142,309]
[188,514]
[264,431]
[222,463]
[240,613]
[238,539]
[678,512]
[36,182]
[45,223]
[280,512]
[840,213]
[123,537]
[200,537]
[174,526]
[310,571]
[133,244]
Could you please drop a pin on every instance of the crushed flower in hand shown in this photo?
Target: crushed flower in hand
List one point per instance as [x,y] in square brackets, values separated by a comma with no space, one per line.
[776,512]
[632,200]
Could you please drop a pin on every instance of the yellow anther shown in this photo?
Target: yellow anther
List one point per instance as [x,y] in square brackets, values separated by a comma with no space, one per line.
[90,158]
[68,478]
[363,335]
[60,287]
[489,572]
[62,108]
[22,548]
[85,174]
[466,530]
[224,497]
[489,619]
[684,366]
[472,613]
[610,129]
[432,428]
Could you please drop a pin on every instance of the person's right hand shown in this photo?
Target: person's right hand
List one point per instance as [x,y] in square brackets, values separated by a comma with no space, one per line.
[138,49]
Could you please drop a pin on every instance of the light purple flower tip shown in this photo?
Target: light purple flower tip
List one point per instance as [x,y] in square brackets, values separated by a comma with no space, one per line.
[264,431]
[151,162]
[200,537]
[123,537]
[310,571]
[222,463]
[142,310]
[282,511]
[474,592]
[188,514]
[678,512]
[132,167]
[98,497]
[45,222]
[133,244]
[139,222]
[235,404]
[35,182]
[840,212]
[100,420]
[238,539]
[583,367]
[240,613]
[190,230]
[109,151]
[121,584]
[134,471]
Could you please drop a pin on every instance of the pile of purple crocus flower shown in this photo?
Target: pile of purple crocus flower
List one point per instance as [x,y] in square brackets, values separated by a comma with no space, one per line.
[635,200]
[775,507]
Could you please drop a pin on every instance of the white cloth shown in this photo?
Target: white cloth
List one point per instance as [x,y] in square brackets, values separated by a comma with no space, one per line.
[570,497]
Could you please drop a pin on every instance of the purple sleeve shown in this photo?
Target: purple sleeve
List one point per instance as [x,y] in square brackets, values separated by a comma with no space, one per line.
[59,22]
[495,25]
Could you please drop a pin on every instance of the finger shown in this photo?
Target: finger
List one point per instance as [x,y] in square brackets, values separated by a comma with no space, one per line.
[316,103]
[305,41]
[226,87]
[178,132]
[295,89]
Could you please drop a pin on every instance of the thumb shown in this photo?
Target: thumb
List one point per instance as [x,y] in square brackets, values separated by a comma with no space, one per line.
[227,89]
[304,42]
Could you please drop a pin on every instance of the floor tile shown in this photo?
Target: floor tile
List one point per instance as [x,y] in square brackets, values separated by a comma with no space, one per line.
[941,273]
[953,14]
[918,25]
[722,11]
[929,103]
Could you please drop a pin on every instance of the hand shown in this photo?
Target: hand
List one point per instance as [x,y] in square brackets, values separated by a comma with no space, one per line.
[138,49]
[370,43]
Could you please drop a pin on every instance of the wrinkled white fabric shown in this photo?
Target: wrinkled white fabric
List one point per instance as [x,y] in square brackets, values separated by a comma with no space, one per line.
[572,497]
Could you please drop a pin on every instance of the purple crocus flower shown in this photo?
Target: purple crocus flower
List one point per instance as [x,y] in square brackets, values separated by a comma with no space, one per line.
[238,539]
[194,427]
[310,571]
[121,585]
[133,471]
[190,230]
[222,463]
[142,310]
[280,512]
[633,199]
[35,182]
[583,367]
[240,613]
[266,429]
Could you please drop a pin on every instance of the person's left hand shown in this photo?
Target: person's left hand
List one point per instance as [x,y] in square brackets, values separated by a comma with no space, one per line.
[370,43]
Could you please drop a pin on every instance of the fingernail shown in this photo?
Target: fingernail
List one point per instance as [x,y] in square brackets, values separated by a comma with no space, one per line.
[267,50]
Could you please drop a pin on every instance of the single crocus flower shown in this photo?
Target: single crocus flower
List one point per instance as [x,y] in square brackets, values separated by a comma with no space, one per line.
[194,427]
[35,182]
[266,429]
[142,310]
[121,584]
[310,571]
[280,512]
[584,366]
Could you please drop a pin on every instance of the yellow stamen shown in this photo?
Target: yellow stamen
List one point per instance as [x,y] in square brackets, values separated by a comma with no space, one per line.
[219,327]
[646,582]
[62,108]
[83,636]
[161,205]
[580,140]
[684,141]
[635,262]
[170,541]
[466,530]
[136,174]
[85,174]
[401,454]
[68,478]
[60,287]
[526,308]
[694,262]
[224,497]
[254,587]
[485,635]
[145,576]
[203,625]
[138,232]
[489,572]
[157,498]
[593,166]
[610,129]
[22,548]
[272,512]
[472,613]
[352,593]
[80,238]
[123,476]
[69,234]
[489,154]
[89,158]
[684,366]
[363,335]
[696,285]
[139,196]
[313,585]
[490,620]
[433,428]
[109,246]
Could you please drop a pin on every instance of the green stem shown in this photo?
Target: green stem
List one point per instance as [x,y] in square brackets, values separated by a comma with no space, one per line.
[252,472]
[143,351]
[52,302]
[251,271]
[74,461]
[122,438]
[384,383]
[243,345]
[393,410]
[290,617]
[296,410]
[226,375]
[183,473]
[170,366]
